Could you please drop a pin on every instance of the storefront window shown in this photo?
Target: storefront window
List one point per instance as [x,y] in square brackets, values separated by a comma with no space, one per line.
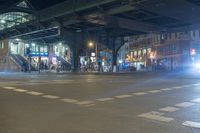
[45,49]
[149,50]
[33,48]
[131,55]
[135,53]
[144,51]
[139,52]
[37,48]
[41,49]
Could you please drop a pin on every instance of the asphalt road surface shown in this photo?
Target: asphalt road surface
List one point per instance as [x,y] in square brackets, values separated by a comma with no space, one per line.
[104,103]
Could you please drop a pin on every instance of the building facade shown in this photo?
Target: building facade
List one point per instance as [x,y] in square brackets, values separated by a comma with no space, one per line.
[166,51]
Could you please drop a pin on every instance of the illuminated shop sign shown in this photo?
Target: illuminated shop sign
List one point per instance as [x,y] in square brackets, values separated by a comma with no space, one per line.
[39,53]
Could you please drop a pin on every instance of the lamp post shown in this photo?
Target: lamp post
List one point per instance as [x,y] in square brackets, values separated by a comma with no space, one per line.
[91,44]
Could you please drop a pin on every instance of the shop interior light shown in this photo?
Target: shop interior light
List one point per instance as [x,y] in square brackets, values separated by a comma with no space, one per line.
[3,21]
[17,39]
[33,44]
[120,61]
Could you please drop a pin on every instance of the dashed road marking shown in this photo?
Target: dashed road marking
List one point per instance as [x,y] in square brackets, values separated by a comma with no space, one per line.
[191,124]
[166,89]
[51,96]
[195,84]
[84,102]
[34,93]
[104,99]
[89,105]
[169,109]
[19,90]
[123,96]
[196,100]
[185,104]
[186,85]
[140,93]
[156,116]
[177,87]
[9,87]
[154,91]
[69,100]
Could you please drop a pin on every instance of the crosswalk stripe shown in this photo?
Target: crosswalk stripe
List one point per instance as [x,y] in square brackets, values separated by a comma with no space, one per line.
[157,116]
[185,104]
[19,90]
[104,99]
[50,96]
[166,89]
[34,93]
[140,93]
[196,100]
[89,105]
[69,100]
[123,96]
[191,124]
[186,86]
[154,91]
[177,87]
[9,87]
[84,102]
[196,84]
[169,109]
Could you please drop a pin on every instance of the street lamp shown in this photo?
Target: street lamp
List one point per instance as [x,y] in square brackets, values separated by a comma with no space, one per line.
[90,44]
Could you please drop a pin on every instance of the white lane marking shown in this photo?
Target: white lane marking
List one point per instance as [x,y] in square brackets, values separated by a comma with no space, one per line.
[84,102]
[156,116]
[89,105]
[195,84]
[34,93]
[19,90]
[154,91]
[123,96]
[61,81]
[105,99]
[196,100]
[185,104]
[191,124]
[9,88]
[169,109]
[140,93]
[51,96]
[166,89]
[177,87]
[69,100]
[186,85]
